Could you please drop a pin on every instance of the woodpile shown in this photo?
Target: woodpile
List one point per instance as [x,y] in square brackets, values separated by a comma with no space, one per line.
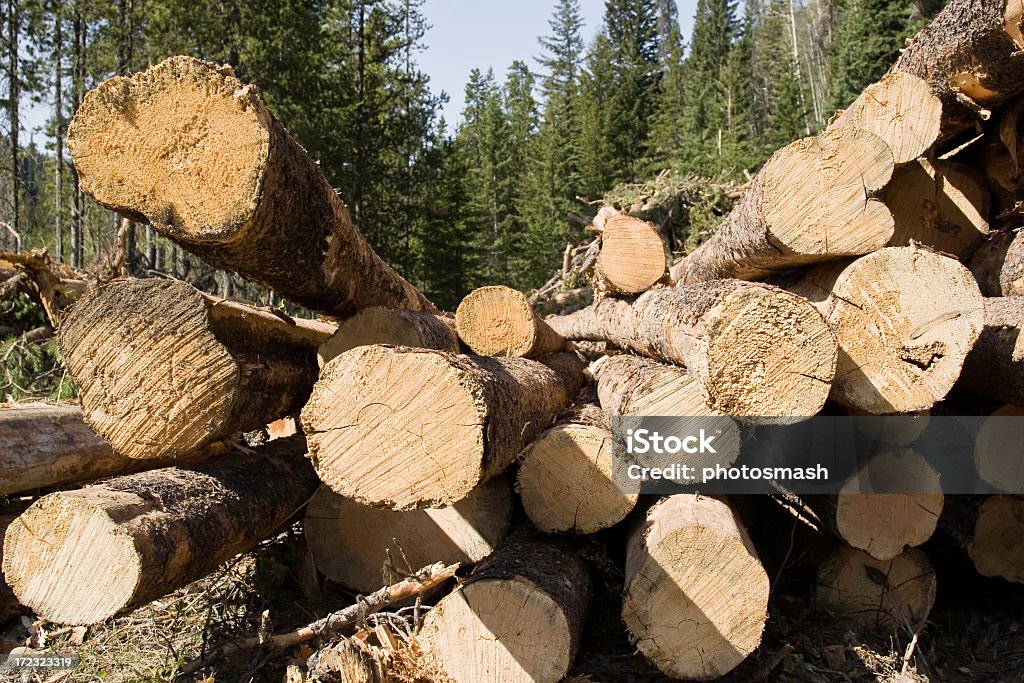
[865,271]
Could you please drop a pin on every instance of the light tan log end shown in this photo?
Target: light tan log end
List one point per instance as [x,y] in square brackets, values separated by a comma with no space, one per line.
[499,321]
[998,545]
[632,257]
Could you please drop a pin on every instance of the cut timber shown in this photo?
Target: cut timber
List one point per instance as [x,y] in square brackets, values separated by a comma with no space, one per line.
[897,430]
[47,445]
[971,57]
[885,595]
[995,367]
[870,515]
[997,448]
[905,319]
[80,557]
[813,201]
[395,326]
[755,349]
[355,545]
[9,605]
[998,264]
[991,530]
[901,110]
[412,428]
[696,595]
[566,477]
[192,150]
[518,617]
[164,369]
[939,204]
[499,321]
[632,257]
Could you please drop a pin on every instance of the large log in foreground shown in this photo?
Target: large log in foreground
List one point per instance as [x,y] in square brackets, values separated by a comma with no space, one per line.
[79,557]
[755,349]
[499,321]
[812,202]
[905,318]
[395,326]
[412,428]
[518,617]
[995,366]
[190,149]
[164,370]
[696,595]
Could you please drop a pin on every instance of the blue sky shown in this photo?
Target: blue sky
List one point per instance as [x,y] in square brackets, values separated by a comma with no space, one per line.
[494,33]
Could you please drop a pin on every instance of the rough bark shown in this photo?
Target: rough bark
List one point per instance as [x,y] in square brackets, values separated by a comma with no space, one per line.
[190,149]
[395,326]
[971,57]
[991,531]
[812,202]
[995,366]
[499,321]
[362,547]
[518,617]
[755,349]
[905,318]
[567,480]
[80,557]
[998,265]
[164,370]
[632,258]
[696,595]
[884,595]
[412,428]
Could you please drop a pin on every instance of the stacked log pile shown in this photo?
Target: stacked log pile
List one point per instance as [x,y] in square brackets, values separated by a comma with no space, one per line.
[858,268]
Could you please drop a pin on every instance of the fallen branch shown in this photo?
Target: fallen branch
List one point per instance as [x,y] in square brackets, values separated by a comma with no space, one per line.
[336,622]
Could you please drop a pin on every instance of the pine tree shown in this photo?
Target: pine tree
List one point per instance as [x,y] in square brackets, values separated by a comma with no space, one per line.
[867,41]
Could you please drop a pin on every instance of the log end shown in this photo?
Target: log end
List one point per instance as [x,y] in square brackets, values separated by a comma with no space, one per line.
[998,545]
[497,321]
[632,257]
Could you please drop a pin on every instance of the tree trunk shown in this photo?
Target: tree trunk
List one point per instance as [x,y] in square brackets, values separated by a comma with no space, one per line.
[274,219]
[905,318]
[692,621]
[46,445]
[812,202]
[991,531]
[164,369]
[902,110]
[885,595]
[971,57]
[519,617]
[499,321]
[995,366]
[58,113]
[413,428]
[13,106]
[566,476]
[363,548]
[755,349]
[998,265]
[632,257]
[394,326]
[136,538]
[939,204]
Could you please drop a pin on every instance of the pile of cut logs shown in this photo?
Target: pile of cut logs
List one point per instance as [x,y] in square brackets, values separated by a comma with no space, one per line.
[873,269]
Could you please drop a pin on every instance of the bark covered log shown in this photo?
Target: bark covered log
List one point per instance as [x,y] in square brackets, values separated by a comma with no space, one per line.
[696,595]
[82,556]
[755,349]
[395,326]
[499,321]
[190,149]
[164,370]
[995,366]
[998,265]
[412,428]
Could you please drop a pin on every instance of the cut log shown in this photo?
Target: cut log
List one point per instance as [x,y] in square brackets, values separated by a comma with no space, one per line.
[566,477]
[885,595]
[901,109]
[696,595]
[991,531]
[412,428]
[395,326]
[233,188]
[898,430]
[971,57]
[755,349]
[998,265]
[356,545]
[812,202]
[80,557]
[996,447]
[518,617]
[869,515]
[9,605]
[905,318]
[995,366]
[939,204]
[164,370]
[499,321]
[632,257]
